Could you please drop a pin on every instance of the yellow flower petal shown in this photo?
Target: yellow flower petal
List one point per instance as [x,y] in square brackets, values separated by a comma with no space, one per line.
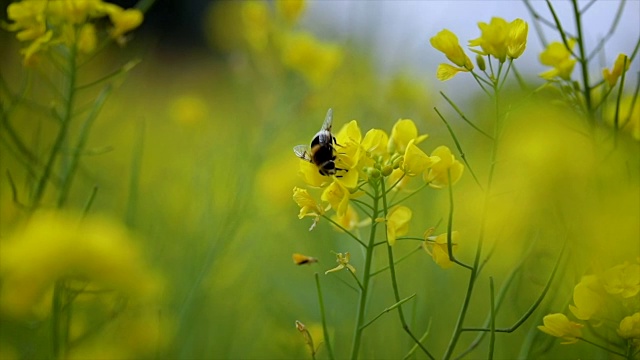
[397,223]
[558,325]
[402,133]
[447,42]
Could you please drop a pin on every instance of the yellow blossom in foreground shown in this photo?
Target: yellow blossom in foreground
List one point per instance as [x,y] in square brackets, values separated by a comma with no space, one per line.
[630,327]
[517,38]
[493,38]
[54,246]
[343,262]
[586,298]
[317,61]
[559,57]
[397,223]
[337,195]
[308,206]
[559,325]
[438,249]
[448,168]
[628,116]
[447,42]
[623,280]
[404,131]
[621,65]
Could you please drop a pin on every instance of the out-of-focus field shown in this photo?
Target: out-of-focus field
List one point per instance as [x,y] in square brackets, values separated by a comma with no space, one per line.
[192,153]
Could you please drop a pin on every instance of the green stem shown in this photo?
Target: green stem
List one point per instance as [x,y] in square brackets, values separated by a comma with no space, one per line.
[584,61]
[325,331]
[364,291]
[492,340]
[394,280]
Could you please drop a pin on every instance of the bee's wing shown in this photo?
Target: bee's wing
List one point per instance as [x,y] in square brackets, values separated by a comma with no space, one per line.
[328,121]
[302,151]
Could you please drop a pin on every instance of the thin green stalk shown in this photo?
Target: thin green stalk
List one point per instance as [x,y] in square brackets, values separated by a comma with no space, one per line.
[386,310]
[463,116]
[584,61]
[616,118]
[406,256]
[68,98]
[364,291]
[345,230]
[68,176]
[558,26]
[394,281]
[56,319]
[92,197]
[134,178]
[325,331]
[452,258]
[492,340]
[603,347]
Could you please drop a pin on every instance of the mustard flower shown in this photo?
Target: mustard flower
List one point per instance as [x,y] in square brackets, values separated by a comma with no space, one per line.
[439,173]
[628,116]
[630,327]
[559,325]
[315,60]
[612,76]
[587,298]
[337,195]
[87,39]
[123,21]
[349,220]
[375,142]
[438,249]
[397,223]
[623,280]
[290,10]
[501,39]
[255,19]
[559,57]
[54,246]
[29,19]
[343,262]
[447,42]
[404,130]
[416,161]
[308,206]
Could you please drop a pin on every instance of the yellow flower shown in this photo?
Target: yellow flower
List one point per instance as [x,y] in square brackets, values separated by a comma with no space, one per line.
[343,262]
[586,297]
[440,172]
[350,220]
[416,161]
[255,18]
[87,39]
[446,71]
[438,249]
[397,223]
[628,117]
[559,325]
[517,38]
[375,142]
[316,61]
[124,21]
[612,76]
[311,175]
[308,206]
[28,18]
[402,133]
[623,280]
[559,57]
[290,10]
[630,327]
[447,42]
[54,246]
[337,195]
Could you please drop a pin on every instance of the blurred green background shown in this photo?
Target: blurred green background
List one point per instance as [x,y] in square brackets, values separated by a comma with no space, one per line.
[193,154]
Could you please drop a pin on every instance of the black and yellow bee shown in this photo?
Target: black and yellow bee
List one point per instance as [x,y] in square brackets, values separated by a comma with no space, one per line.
[322,152]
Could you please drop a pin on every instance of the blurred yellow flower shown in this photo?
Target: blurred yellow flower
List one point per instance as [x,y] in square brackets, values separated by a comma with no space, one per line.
[54,246]
[308,206]
[416,161]
[343,262]
[255,18]
[559,57]
[446,71]
[439,173]
[447,42]
[587,298]
[612,76]
[124,21]
[404,130]
[501,39]
[28,18]
[623,280]
[350,220]
[188,109]
[397,223]
[628,116]
[438,249]
[630,327]
[87,39]
[290,10]
[559,325]
[315,60]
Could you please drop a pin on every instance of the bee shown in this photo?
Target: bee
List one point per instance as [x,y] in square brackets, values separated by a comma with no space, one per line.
[322,151]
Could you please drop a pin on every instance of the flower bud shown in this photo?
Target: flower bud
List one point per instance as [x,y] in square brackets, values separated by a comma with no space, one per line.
[480,61]
[387,170]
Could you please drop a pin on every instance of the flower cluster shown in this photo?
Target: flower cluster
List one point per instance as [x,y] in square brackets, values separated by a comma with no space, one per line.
[274,29]
[613,295]
[49,23]
[499,39]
